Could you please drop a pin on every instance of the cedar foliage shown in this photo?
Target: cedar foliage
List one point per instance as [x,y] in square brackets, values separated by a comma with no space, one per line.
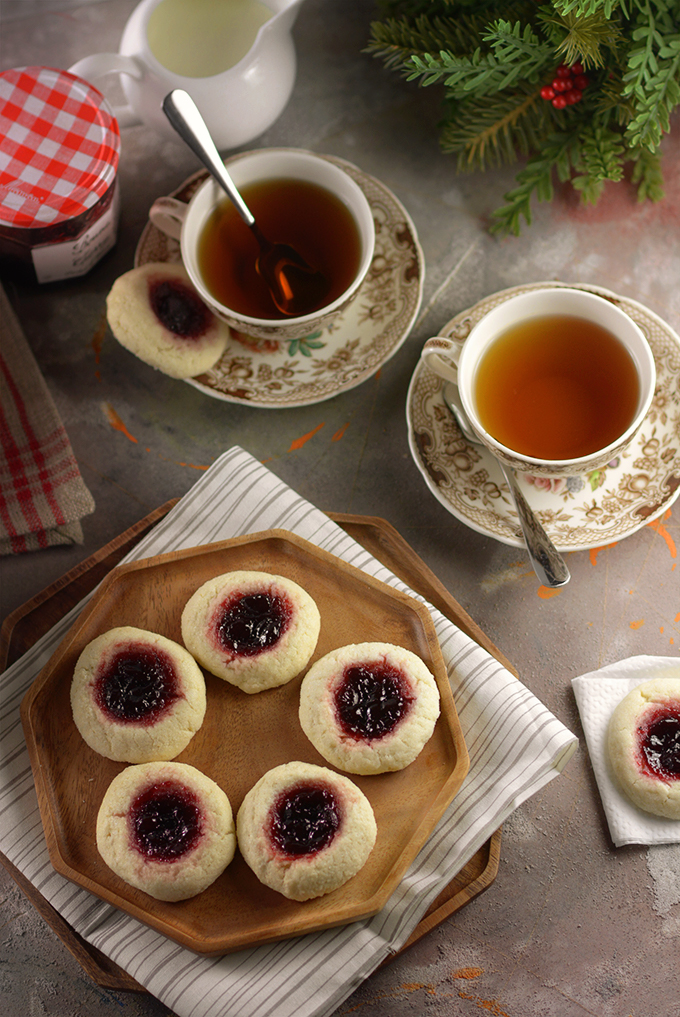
[492,59]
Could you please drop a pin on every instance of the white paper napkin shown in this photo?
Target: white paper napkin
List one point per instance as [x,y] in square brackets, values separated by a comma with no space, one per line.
[597,694]
[516,746]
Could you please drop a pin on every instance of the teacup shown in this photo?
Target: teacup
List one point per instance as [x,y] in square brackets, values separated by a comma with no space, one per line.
[187,223]
[527,375]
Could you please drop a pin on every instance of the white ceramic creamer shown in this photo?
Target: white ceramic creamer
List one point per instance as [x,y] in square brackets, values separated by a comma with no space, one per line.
[236,58]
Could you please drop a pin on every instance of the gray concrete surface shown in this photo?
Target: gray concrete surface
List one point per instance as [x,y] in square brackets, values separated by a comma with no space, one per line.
[571,927]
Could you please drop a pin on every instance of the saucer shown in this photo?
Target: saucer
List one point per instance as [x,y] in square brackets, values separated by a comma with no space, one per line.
[578,512]
[334,359]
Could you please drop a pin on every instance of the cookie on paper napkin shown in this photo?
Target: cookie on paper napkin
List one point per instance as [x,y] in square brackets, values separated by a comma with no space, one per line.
[597,694]
[42,494]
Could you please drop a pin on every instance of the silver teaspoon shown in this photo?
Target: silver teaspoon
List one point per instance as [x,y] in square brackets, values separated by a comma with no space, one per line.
[547,562]
[295,287]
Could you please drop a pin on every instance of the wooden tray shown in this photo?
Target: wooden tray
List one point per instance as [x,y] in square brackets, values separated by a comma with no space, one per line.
[242,737]
[26,624]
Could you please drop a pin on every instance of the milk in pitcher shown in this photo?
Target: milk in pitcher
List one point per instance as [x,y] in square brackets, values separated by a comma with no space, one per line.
[200,38]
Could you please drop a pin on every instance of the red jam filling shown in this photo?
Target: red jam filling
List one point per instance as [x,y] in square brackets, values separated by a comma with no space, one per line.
[165,821]
[250,623]
[371,699]
[178,308]
[305,818]
[137,685]
[659,743]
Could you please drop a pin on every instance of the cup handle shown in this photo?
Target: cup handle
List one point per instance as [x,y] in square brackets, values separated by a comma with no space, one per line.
[99,64]
[167,215]
[441,355]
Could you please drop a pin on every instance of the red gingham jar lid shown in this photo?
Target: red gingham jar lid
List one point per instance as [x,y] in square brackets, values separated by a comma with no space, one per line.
[59,146]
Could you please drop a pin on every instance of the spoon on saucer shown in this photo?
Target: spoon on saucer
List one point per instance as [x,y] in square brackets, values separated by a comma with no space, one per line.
[547,562]
[295,287]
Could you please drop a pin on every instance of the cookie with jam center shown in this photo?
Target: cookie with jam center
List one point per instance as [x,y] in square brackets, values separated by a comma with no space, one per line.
[167,829]
[369,707]
[255,630]
[305,830]
[643,746]
[155,312]
[137,696]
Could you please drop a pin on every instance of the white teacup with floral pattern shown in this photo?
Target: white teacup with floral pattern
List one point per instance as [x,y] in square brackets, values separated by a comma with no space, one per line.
[458,363]
[185,222]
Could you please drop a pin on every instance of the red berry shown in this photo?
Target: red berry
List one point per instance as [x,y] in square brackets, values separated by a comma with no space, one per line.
[581,82]
[563,71]
[561,84]
[547,92]
[559,102]
[572,96]
[577,68]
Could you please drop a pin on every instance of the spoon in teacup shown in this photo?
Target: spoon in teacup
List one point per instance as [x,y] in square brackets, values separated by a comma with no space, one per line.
[295,287]
[547,562]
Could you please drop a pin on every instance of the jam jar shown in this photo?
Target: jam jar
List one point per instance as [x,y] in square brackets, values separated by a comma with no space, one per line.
[59,151]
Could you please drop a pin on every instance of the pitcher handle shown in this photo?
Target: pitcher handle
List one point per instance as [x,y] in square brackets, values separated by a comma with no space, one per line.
[167,215]
[99,64]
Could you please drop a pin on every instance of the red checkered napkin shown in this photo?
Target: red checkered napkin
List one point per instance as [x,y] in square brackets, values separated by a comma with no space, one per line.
[42,494]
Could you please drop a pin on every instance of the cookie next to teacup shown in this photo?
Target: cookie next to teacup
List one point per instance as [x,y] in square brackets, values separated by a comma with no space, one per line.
[369,707]
[643,745]
[155,312]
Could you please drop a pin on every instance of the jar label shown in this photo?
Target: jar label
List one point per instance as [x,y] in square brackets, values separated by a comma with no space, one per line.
[76,257]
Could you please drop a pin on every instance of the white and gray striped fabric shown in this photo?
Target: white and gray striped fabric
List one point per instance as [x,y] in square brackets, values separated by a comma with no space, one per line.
[516,746]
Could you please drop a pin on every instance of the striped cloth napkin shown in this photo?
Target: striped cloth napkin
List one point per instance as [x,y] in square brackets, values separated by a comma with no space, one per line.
[42,495]
[516,746]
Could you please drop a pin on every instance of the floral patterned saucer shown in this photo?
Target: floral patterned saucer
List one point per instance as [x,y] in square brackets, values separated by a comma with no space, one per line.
[368,332]
[577,512]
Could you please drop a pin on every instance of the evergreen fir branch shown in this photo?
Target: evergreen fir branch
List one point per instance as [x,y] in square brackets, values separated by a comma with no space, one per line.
[444,8]
[664,8]
[653,83]
[647,175]
[589,39]
[492,135]
[518,55]
[560,152]
[601,159]
[491,57]
[397,40]
[654,31]
[610,101]
[420,27]
[602,153]
[583,8]
[591,188]
[411,8]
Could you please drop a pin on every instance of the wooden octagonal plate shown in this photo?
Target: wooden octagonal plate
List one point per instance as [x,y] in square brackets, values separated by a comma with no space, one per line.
[242,737]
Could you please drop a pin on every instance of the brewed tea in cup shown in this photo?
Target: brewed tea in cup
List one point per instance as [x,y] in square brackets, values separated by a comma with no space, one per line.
[297,198]
[555,381]
[316,223]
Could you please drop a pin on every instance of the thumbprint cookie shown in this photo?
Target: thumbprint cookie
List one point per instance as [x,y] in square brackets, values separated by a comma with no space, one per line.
[136,696]
[643,743]
[167,829]
[369,707]
[305,830]
[155,313]
[255,630]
